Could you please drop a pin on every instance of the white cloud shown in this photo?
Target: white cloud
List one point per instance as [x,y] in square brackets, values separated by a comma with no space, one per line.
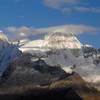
[72,6]
[24,29]
[15,33]
[78,29]
[59,3]
[25,32]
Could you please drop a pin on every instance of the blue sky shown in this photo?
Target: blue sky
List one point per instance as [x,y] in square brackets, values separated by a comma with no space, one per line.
[24,18]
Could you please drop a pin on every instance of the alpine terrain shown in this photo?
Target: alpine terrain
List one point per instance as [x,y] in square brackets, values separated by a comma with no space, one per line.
[65,50]
[56,67]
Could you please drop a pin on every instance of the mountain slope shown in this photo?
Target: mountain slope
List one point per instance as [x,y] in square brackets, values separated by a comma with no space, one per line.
[8,52]
[72,87]
[65,50]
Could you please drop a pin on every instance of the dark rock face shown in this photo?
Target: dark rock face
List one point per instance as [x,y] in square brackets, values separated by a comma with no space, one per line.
[42,67]
[57,94]
[92,52]
[70,88]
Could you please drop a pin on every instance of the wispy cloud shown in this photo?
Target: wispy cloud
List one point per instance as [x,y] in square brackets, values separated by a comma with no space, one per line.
[73,6]
[25,32]
[76,29]
[81,10]
[15,33]
[57,4]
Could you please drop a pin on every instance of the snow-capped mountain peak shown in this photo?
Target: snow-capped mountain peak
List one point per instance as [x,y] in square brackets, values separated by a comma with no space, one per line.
[54,40]
[62,40]
[64,46]
[65,50]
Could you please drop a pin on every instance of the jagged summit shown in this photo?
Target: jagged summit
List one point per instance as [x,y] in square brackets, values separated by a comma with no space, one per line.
[54,40]
[64,34]
[62,40]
